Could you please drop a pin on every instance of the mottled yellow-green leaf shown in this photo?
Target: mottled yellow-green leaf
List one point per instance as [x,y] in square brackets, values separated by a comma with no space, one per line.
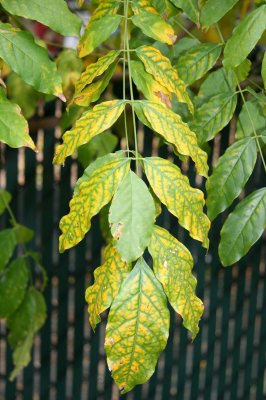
[91,123]
[172,265]
[140,6]
[94,191]
[137,328]
[105,7]
[183,201]
[108,279]
[160,67]
[171,127]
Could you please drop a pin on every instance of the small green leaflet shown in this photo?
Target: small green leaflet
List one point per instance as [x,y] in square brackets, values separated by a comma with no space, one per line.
[132,217]
[217,82]
[190,7]
[172,265]
[245,37]
[263,70]
[245,127]
[230,175]
[99,146]
[13,284]
[30,61]
[214,10]
[54,14]
[243,227]
[23,234]
[194,64]
[137,328]
[7,246]
[5,198]
[108,279]
[14,130]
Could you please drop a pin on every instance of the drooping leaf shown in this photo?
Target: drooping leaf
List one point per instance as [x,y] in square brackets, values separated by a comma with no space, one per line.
[155,27]
[23,325]
[30,61]
[172,265]
[54,14]
[190,7]
[251,118]
[230,175]
[97,32]
[108,279]
[183,201]
[94,191]
[244,37]
[213,116]
[171,127]
[137,328]
[23,233]
[14,129]
[263,70]
[13,284]
[160,67]
[192,65]
[7,246]
[91,123]
[243,227]
[132,217]
[5,198]
[214,10]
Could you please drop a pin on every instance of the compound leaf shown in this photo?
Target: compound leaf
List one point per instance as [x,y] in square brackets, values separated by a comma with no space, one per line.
[7,246]
[137,328]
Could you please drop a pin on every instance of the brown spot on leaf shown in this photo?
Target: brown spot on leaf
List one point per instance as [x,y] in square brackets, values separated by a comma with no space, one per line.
[165,99]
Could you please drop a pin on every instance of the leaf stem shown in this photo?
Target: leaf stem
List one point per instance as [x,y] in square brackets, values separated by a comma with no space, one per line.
[124,74]
[10,212]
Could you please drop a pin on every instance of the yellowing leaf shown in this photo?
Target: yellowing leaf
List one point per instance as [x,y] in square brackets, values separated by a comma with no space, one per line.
[91,123]
[160,67]
[105,7]
[171,127]
[107,282]
[94,191]
[137,328]
[183,201]
[172,265]
[140,6]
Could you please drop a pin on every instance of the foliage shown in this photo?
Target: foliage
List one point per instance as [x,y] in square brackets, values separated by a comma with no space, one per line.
[189,89]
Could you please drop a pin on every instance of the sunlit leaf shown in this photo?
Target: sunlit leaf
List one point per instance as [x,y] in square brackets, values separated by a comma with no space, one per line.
[54,14]
[214,10]
[245,36]
[171,127]
[5,198]
[172,265]
[243,227]
[108,279]
[132,217]
[94,191]
[7,246]
[183,201]
[137,328]
[230,175]
[91,123]
[160,67]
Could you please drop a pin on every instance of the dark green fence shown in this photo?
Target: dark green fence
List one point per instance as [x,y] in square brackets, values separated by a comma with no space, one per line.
[227,359]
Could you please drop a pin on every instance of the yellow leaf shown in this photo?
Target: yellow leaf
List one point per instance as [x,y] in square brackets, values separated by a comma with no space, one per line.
[160,67]
[172,265]
[183,201]
[140,6]
[171,127]
[94,191]
[137,328]
[108,279]
[91,123]
[105,7]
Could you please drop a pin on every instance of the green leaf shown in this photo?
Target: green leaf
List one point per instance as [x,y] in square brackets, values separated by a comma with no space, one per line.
[251,117]
[160,67]
[14,129]
[23,325]
[214,10]
[97,32]
[137,328]
[108,279]
[213,116]
[93,192]
[7,246]
[23,234]
[245,37]
[30,61]
[172,265]
[91,123]
[217,82]
[181,46]
[99,146]
[194,64]
[243,227]
[171,127]
[183,201]
[54,14]
[5,198]
[132,217]
[230,175]
[242,70]
[263,70]
[154,26]
[13,284]
[190,7]
[69,67]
